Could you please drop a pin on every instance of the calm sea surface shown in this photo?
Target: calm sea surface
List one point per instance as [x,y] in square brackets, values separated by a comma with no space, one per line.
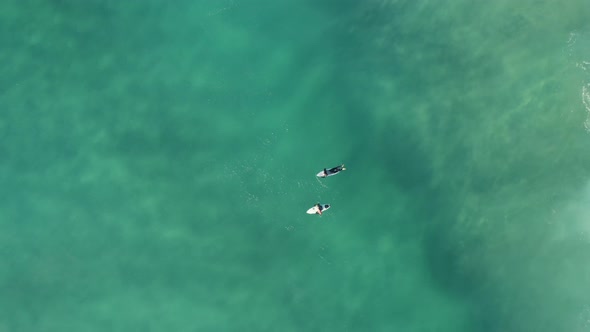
[157,159]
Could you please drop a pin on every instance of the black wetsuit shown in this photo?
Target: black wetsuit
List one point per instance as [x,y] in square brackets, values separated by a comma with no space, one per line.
[322,207]
[333,170]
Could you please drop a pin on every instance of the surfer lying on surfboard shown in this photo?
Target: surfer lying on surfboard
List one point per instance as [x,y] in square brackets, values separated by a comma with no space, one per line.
[331,171]
[318,209]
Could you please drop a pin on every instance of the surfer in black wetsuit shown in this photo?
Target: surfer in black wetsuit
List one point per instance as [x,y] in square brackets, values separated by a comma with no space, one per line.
[331,171]
[319,208]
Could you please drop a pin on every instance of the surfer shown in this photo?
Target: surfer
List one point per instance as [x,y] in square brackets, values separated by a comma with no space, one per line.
[331,171]
[318,209]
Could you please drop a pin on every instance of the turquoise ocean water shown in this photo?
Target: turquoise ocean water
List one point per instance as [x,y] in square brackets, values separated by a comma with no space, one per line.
[157,159]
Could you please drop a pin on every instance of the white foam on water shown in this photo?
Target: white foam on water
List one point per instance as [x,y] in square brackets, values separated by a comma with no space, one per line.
[573,37]
[578,44]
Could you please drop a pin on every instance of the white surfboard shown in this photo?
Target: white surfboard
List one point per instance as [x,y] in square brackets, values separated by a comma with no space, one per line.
[314,209]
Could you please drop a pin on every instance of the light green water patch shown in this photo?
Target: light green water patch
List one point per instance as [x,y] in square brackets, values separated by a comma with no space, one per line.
[490,99]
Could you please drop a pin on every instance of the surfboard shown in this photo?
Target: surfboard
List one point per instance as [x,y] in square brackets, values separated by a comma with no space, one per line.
[320,174]
[314,209]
